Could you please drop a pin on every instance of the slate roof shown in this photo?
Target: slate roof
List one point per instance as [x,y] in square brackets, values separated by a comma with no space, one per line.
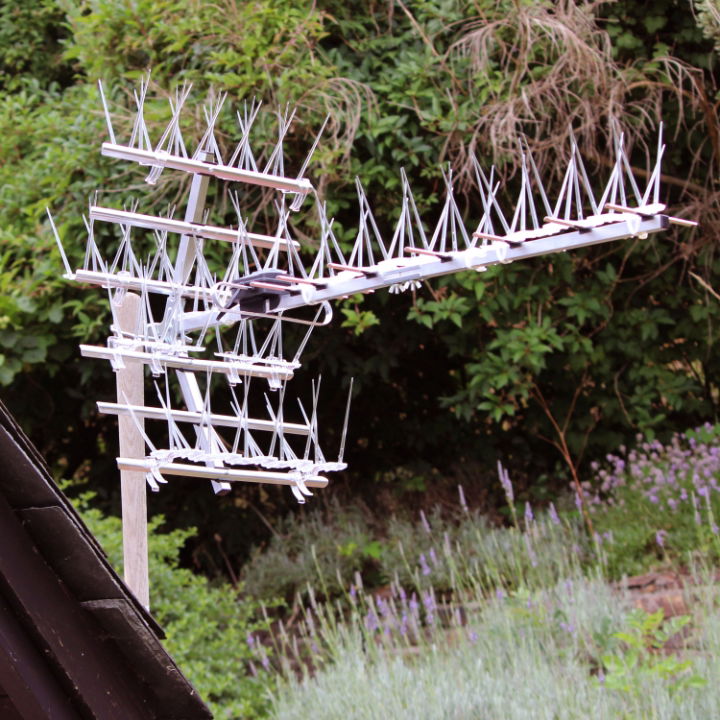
[74,641]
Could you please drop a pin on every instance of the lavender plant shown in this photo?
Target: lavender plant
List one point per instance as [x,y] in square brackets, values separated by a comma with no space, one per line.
[515,622]
[522,654]
[442,550]
[468,554]
[658,502]
[480,621]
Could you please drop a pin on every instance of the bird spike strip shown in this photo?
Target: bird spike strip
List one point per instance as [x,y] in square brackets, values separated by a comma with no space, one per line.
[218,327]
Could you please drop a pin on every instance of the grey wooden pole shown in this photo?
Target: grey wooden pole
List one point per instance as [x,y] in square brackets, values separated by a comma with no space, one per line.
[130,389]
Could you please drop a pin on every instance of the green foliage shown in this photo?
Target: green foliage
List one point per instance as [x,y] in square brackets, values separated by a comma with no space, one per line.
[30,36]
[644,655]
[323,549]
[207,626]
[238,46]
[355,318]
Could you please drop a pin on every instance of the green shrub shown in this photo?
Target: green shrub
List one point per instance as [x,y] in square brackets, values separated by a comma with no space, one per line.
[321,548]
[209,628]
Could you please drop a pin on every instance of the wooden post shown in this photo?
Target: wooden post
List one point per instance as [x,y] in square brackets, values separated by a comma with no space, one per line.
[130,389]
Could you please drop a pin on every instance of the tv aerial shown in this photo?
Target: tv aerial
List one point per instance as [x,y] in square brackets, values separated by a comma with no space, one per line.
[202,309]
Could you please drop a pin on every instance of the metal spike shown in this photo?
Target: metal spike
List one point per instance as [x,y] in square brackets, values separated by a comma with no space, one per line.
[207,142]
[306,453]
[139,132]
[343,437]
[450,221]
[298,199]
[537,178]
[66,263]
[243,156]
[369,220]
[584,176]
[305,339]
[139,424]
[275,163]
[491,189]
[486,224]
[108,121]
[314,423]
[564,197]
[653,185]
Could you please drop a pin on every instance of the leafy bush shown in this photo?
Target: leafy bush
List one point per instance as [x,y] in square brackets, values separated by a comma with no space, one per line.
[209,628]
[642,655]
[316,548]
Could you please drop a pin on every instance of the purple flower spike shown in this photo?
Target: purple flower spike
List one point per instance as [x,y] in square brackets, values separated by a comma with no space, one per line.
[554,518]
[403,624]
[472,637]
[505,482]
[424,567]
[660,536]
[529,517]
[371,621]
[383,607]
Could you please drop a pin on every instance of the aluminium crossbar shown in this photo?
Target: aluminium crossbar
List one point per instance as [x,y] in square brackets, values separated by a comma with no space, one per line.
[403,270]
[161,158]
